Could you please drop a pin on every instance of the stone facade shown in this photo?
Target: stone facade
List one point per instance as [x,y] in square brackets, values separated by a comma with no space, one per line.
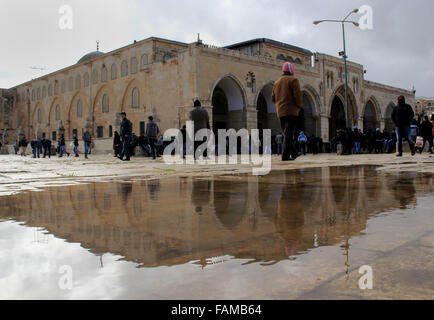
[163,78]
[424,106]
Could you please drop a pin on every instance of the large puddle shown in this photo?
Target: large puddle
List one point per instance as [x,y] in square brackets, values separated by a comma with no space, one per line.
[294,234]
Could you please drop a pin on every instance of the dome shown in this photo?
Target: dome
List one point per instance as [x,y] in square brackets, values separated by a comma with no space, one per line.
[90,56]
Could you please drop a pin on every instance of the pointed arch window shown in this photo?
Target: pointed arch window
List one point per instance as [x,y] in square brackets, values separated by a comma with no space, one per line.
[114,71]
[135,98]
[63,86]
[143,61]
[103,74]
[44,92]
[57,112]
[50,90]
[86,79]
[133,65]
[79,110]
[56,87]
[95,76]
[38,116]
[124,68]
[70,83]
[33,94]
[105,103]
[78,82]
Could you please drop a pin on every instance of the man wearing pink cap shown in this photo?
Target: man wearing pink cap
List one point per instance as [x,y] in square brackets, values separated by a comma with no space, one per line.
[288,99]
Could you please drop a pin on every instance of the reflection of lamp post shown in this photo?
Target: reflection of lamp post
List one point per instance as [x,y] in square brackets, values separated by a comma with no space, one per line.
[344,55]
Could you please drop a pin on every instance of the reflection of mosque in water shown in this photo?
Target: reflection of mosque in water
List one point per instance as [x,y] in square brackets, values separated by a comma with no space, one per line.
[261,219]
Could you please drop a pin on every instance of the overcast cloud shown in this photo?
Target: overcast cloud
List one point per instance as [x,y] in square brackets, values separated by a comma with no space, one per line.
[399,51]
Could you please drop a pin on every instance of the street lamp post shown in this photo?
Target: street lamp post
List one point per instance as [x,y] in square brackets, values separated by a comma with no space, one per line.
[342,22]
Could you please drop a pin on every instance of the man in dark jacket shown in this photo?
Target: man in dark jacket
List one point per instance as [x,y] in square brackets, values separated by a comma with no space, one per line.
[426,128]
[288,99]
[76,146]
[35,148]
[87,138]
[402,116]
[46,145]
[126,131]
[152,132]
[200,118]
[62,146]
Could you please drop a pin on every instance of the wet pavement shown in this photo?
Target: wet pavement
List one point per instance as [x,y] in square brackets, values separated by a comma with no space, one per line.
[299,234]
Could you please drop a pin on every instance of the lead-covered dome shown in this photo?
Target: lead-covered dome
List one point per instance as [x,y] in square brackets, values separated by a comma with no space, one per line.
[90,56]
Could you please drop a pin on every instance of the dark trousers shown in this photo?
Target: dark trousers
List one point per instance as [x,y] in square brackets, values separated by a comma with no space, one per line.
[288,125]
[125,148]
[152,142]
[47,151]
[401,133]
[429,140]
[303,148]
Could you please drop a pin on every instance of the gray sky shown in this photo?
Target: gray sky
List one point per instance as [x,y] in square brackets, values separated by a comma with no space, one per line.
[399,51]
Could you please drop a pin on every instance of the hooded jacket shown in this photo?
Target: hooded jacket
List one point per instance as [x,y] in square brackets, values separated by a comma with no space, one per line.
[403,114]
[302,137]
[287,96]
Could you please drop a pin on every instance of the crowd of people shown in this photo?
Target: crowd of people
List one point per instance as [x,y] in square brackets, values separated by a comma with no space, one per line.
[290,143]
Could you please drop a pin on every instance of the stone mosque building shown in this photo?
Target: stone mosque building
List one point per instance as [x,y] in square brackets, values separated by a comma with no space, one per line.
[163,78]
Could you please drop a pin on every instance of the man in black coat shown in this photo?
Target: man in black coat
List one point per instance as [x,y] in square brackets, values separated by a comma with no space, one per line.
[126,131]
[152,132]
[402,116]
[426,133]
[200,118]
[46,145]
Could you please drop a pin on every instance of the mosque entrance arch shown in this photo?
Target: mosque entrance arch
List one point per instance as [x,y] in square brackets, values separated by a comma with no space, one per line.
[228,102]
[337,117]
[266,110]
[370,117]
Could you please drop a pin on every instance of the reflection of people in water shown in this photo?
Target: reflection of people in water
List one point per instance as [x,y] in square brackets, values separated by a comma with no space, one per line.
[290,218]
[404,190]
[200,194]
[153,188]
[126,189]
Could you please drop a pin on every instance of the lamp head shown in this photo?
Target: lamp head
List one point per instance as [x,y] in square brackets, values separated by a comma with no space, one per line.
[356,24]
[317,22]
[355,10]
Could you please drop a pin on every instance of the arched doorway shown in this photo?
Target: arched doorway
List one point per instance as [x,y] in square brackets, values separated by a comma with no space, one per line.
[228,105]
[370,119]
[337,117]
[309,125]
[389,123]
[267,116]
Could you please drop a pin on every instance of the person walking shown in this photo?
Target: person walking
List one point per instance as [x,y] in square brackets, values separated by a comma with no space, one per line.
[426,129]
[414,130]
[357,140]
[402,116]
[46,145]
[62,146]
[35,148]
[184,140]
[22,145]
[152,132]
[200,118]
[117,145]
[126,131]
[288,99]
[302,140]
[87,139]
[279,143]
[75,146]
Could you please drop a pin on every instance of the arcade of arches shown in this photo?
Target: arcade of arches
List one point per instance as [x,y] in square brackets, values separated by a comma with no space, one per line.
[229,111]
